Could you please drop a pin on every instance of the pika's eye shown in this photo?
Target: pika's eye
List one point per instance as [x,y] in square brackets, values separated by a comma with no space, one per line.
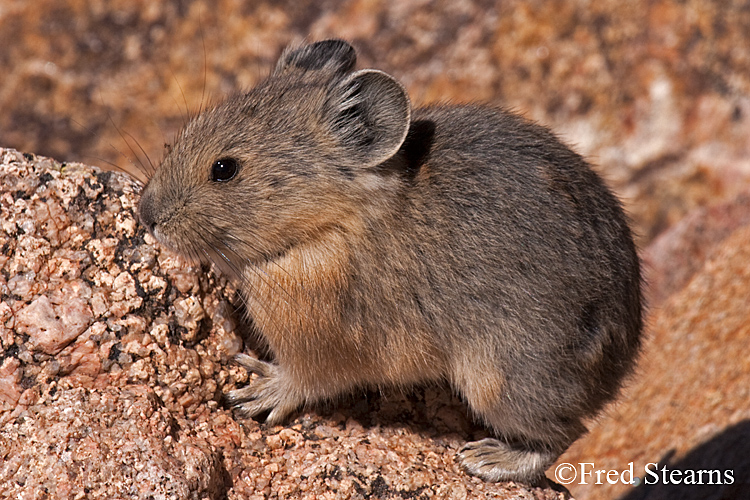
[224,169]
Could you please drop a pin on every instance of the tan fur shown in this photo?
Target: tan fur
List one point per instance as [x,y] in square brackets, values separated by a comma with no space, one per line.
[294,300]
[482,393]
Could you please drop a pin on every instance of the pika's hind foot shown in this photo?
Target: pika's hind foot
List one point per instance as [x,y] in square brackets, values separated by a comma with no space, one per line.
[494,460]
[270,391]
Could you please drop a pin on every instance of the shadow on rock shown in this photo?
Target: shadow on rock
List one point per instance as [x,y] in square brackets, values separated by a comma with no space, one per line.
[717,469]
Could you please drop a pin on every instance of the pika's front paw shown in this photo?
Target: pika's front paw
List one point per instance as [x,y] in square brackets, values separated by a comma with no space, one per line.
[494,460]
[270,391]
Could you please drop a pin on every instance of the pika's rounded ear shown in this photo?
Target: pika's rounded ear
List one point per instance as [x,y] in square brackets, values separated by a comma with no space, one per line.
[335,55]
[368,113]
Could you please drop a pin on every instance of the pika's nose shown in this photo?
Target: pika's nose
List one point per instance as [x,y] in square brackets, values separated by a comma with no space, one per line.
[146,210]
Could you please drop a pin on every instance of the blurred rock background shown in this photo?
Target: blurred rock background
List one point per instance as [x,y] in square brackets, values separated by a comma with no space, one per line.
[655,92]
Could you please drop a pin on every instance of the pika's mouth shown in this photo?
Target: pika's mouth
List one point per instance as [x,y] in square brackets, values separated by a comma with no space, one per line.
[147,212]
[233,261]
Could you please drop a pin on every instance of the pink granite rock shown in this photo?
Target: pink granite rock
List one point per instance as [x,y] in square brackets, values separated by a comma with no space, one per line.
[52,327]
[108,443]
[677,254]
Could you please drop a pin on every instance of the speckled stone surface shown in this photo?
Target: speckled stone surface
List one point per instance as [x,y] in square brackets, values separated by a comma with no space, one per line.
[114,355]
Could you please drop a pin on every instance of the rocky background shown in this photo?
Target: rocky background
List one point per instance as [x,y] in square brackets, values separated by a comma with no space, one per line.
[113,354]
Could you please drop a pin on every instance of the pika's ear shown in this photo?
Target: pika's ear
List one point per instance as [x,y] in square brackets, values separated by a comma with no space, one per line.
[368,113]
[335,55]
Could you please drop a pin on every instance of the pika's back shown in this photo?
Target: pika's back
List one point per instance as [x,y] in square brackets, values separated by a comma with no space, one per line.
[497,175]
[523,237]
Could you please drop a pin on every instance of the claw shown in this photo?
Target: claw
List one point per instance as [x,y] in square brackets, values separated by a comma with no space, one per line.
[271,390]
[253,408]
[254,365]
[493,460]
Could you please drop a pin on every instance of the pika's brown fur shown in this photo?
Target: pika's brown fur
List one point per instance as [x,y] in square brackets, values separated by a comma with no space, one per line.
[378,245]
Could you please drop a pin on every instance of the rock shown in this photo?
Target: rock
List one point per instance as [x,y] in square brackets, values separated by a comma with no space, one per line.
[108,443]
[686,408]
[677,254]
[52,328]
[115,352]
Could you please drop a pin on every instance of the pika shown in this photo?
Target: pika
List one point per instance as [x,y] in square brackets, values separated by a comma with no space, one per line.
[379,245]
